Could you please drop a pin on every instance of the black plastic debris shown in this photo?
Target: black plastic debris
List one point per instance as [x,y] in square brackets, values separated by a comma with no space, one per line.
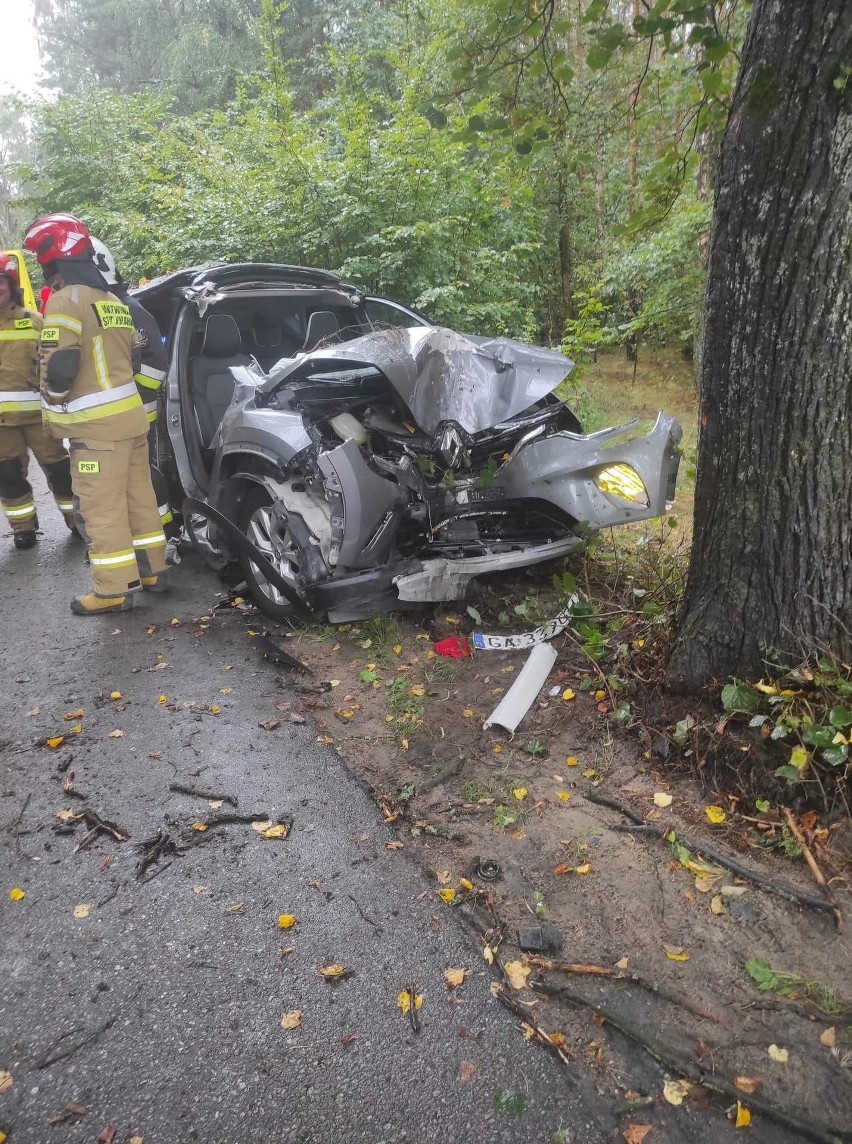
[489,870]
[543,938]
[277,655]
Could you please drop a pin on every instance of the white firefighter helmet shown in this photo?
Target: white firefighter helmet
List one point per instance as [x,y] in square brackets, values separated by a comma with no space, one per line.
[104,261]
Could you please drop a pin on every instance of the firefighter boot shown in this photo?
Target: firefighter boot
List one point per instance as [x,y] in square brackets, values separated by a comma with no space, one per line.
[92,605]
[24,538]
[156,584]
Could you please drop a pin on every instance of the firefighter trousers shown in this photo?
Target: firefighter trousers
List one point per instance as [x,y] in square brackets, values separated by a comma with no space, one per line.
[116,512]
[16,494]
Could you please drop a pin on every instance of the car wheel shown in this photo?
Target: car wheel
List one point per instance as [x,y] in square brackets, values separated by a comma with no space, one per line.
[267,530]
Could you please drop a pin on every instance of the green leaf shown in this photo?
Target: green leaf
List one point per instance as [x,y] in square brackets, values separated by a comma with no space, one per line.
[435,116]
[477,123]
[817,735]
[762,804]
[836,754]
[739,697]
[474,614]
[840,717]
[799,758]
[509,1103]
[792,773]
[598,57]
[762,974]
[713,81]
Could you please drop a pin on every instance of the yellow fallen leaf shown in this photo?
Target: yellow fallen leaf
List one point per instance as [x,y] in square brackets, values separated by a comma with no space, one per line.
[82,911]
[446,895]
[622,964]
[564,795]
[600,695]
[468,712]
[162,699]
[572,761]
[497,748]
[417,690]
[675,953]
[261,824]
[717,905]
[557,1039]
[403,1000]
[715,813]
[517,973]
[65,815]
[115,695]
[70,716]
[465,883]
[200,827]
[226,690]
[828,1038]
[443,876]
[507,670]
[286,920]
[584,869]
[746,1083]
[488,954]
[116,734]
[590,773]
[280,830]
[743,1116]
[568,694]
[675,1090]
[778,1054]
[331,971]
[76,729]
[454,977]
[55,741]
[151,629]
[292,1020]
[393,846]
[136,1140]
[528,1031]
[397,649]
[662,799]
[520,793]
[17,894]
[6,1081]
[214,710]
[235,908]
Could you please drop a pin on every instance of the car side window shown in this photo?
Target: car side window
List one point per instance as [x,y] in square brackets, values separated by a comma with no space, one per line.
[383,313]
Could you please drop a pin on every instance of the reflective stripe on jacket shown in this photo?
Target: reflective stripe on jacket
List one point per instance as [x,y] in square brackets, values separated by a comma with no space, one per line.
[19,335]
[103,394]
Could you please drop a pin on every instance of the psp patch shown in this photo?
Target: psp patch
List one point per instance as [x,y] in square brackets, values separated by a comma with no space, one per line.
[24,324]
[113,315]
[50,336]
[88,466]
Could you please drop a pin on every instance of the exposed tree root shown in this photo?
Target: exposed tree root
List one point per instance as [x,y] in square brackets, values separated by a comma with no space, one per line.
[672,1059]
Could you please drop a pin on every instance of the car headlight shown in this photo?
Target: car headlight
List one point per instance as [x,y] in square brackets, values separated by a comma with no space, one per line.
[624,482]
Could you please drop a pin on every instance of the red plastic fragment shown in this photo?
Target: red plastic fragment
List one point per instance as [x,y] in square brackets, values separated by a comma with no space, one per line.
[456,647]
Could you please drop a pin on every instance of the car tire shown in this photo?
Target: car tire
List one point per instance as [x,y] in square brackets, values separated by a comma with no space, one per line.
[263,527]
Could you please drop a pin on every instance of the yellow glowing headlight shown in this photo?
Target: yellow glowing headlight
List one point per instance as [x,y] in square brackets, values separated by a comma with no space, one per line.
[622,481]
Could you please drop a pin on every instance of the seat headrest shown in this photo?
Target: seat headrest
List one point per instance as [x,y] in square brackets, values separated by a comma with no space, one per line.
[266,335]
[221,337]
[322,324]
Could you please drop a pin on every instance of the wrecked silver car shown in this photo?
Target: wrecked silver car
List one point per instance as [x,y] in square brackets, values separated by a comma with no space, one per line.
[373,468]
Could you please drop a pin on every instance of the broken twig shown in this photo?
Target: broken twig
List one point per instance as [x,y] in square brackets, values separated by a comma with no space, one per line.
[55,1054]
[661,991]
[793,827]
[180,788]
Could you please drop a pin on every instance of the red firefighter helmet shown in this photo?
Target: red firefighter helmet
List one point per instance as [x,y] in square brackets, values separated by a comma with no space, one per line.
[58,236]
[9,267]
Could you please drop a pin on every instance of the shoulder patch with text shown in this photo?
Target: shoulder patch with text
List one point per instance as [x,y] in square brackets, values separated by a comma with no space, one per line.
[24,324]
[50,336]
[113,315]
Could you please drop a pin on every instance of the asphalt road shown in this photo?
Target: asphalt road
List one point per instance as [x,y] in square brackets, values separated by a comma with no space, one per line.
[168,997]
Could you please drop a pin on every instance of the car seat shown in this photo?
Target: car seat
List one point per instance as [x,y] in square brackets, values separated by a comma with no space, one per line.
[211,384]
[322,327]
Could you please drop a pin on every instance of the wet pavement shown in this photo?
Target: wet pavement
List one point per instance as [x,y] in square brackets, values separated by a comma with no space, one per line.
[164,1003]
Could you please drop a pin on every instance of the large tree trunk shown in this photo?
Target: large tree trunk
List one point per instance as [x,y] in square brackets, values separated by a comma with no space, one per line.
[771,567]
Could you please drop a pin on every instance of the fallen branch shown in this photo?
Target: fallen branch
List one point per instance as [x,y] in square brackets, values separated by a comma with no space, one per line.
[180,788]
[227,818]
[55,1054]
[17,823]
[812,865]
[622,975]
[778,1005]
[449,771]
[670,1058]
[520,1011]
[781,889]
[154,848]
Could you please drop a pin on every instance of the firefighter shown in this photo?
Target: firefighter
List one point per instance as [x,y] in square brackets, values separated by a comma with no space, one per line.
[87,361]
[20,416]
[151,373]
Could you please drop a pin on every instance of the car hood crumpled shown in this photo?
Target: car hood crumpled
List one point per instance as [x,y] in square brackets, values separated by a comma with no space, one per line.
[441,375]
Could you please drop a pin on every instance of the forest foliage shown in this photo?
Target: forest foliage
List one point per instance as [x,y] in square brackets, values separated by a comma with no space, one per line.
[538,169]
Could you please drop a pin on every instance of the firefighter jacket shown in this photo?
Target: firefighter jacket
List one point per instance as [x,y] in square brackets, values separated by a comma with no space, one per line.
[19,334]
[152,371]
[86,367]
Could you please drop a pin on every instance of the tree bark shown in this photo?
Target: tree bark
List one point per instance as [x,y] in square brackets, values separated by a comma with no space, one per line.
[771,568]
